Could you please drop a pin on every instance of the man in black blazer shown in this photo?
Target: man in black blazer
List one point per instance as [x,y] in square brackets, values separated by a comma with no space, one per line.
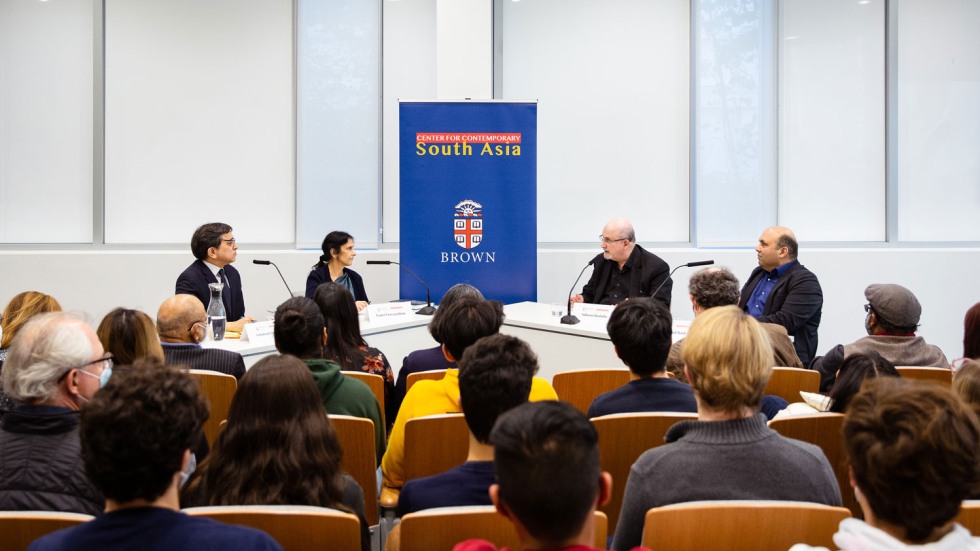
[624,269]
[215,249]
[182,325]
[783,292]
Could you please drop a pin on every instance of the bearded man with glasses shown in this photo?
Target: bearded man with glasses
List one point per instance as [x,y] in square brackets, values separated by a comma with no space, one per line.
[54,367]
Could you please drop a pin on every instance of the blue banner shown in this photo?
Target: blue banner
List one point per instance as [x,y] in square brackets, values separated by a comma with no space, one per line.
[469,198]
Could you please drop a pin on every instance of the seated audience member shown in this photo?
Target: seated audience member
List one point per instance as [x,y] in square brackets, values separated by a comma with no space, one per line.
[276,451]
[21,308]
[338,254]
[54,367]
[713,287]
[215,249]
[640,330]
[136,439]
[966,384]
[182,324]
[346,346]
[971,337]
[853,371]
[729,453]
[549,483]
[299,331]
[129,335]
[464,322]
[431,359]
[495,376]
[914,450]
[892,317]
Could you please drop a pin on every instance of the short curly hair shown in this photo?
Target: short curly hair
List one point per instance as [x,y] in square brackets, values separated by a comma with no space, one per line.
[915,451]
[712,287]
[135,430]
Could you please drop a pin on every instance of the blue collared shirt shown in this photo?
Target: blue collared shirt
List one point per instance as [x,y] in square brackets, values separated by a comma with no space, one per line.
[759,296]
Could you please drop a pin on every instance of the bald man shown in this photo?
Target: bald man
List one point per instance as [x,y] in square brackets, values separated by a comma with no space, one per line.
[783,292]
[624,269]
[183,324]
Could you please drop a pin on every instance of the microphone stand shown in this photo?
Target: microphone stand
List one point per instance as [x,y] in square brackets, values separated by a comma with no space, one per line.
[266,263]
[427,310]
[568,318]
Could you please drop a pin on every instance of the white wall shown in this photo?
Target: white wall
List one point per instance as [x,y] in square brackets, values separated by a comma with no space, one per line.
[943,279]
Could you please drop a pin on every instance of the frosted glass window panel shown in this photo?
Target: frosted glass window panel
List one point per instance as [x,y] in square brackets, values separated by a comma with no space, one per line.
[338,120]
[832,119]
[409,62]
[612,83]
[199,119]
[938,120]
[734,121]
[46,113]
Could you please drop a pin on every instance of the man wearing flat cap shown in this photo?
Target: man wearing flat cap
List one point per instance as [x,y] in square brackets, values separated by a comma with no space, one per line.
[892,317]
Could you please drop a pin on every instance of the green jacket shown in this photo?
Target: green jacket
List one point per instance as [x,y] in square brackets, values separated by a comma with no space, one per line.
[344,395]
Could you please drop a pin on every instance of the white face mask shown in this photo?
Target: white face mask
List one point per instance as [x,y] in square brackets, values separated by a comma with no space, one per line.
[207,335]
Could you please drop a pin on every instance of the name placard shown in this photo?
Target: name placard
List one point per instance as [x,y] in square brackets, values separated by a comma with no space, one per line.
[389,311]
[593,311]
[259,333]
[679,330]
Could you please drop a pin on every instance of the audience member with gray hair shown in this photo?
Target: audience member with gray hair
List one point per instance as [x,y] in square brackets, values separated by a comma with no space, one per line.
[713,287]
[54,367]
[892,318]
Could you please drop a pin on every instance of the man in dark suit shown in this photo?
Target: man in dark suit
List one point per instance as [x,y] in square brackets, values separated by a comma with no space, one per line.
[215,249]
[783,292]
[624,269]
[182,325]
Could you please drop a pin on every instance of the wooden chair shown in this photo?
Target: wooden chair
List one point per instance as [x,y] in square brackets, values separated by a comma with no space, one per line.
[787,382]
[20,528]
[432,375]
[441,529]
[377,385]
[942,375]
[356,436]
[739,525]
[219,389]
[825,431]
[970,516]
[623,437]
[433,445]
[295,527]
[580,387]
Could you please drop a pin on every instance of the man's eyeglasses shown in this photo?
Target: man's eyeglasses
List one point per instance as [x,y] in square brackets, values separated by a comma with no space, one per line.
[867,308]
[606,240]
[230,241]
[108,360]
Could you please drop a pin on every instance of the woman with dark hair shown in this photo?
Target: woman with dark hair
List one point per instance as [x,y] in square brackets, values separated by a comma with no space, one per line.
[275,451]
[853,371]
[971,337]
[338,254]
[299,330]
[430,359]
[130,335]
[19,310]
[345,345]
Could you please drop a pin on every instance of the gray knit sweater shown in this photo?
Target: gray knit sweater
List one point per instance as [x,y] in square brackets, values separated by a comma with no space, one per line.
[723,460]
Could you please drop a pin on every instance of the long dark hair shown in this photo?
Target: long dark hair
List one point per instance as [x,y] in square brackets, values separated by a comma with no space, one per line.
[853,371]
[343,330]
[331,244]
[278,448]
[971,332]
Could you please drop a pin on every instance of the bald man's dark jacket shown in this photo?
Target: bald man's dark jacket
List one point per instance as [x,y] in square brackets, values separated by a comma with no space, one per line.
[647,272]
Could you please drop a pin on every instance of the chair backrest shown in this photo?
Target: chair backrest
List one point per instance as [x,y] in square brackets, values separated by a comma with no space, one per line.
[825,431]
[296,528]
[435,444]
[356,436]
[787,382]
[739,525]
[970,516]
[20,528]
[219,389]
[942,375]
[441,529]
[623,437]
[580,387]
[431,375]
[377,385]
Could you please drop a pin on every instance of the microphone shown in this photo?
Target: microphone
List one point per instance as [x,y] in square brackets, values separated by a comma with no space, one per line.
[266,263]
[428,310]
[568,318]
[688,265]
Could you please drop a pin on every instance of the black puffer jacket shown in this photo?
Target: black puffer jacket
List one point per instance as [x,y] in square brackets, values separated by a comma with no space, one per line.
[41,465]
